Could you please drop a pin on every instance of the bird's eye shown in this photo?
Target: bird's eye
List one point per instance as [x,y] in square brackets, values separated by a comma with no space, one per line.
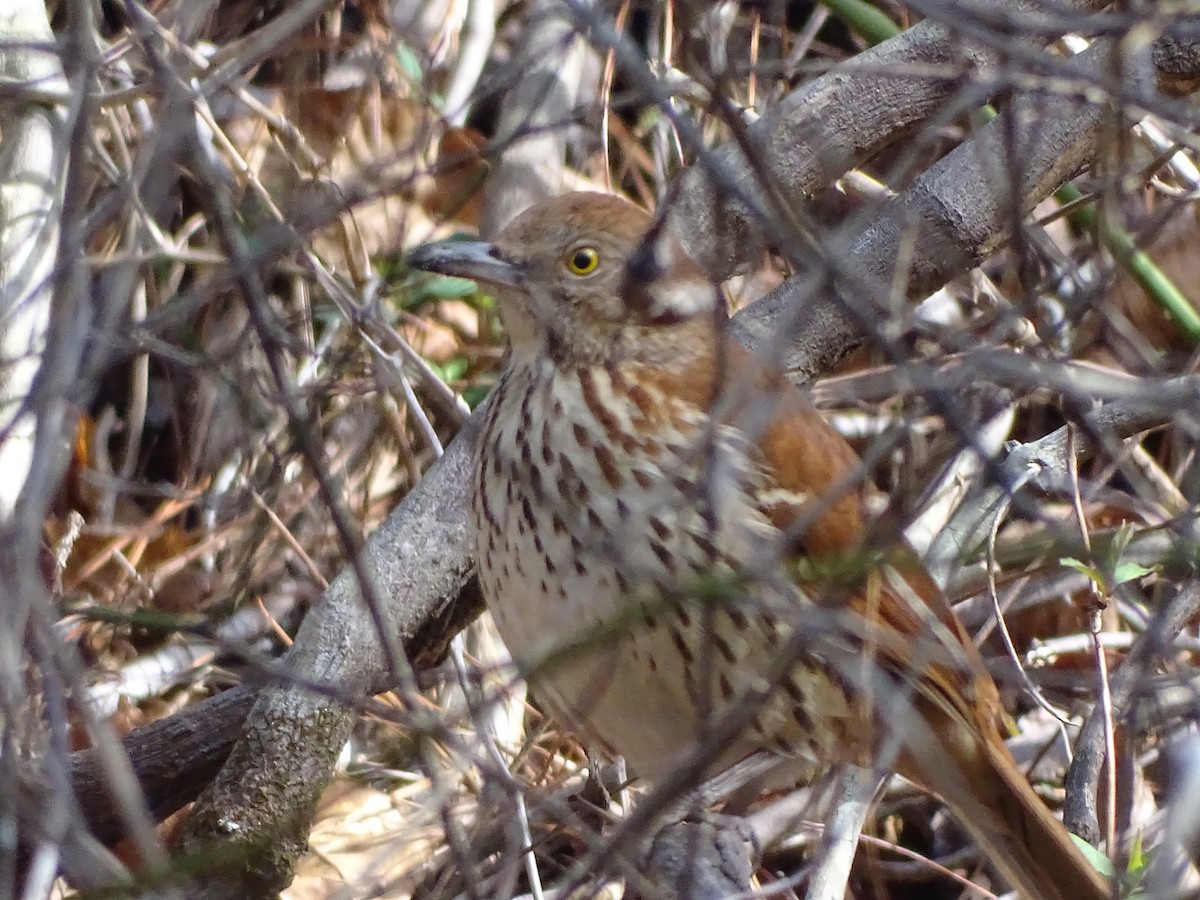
[583,261]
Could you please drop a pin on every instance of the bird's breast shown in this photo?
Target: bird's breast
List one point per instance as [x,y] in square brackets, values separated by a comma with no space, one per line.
[592,490]
[610,519]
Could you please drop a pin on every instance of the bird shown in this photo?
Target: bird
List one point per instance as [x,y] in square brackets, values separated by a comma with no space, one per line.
[671,538]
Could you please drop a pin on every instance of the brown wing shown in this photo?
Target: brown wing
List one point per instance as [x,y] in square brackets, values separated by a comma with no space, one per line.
[816,494]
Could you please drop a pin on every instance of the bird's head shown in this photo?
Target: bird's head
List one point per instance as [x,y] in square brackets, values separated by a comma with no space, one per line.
[587,278]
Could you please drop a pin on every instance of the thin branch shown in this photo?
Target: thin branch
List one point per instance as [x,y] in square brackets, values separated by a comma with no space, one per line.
[1080,813]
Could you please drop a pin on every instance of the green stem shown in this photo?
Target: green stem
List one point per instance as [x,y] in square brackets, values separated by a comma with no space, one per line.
[864,18]
[1137,262]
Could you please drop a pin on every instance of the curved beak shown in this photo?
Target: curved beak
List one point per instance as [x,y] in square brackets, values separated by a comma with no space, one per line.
[477,260]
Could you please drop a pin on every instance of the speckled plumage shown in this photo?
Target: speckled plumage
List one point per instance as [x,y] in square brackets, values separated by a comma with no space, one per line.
[670,537]
[585,535]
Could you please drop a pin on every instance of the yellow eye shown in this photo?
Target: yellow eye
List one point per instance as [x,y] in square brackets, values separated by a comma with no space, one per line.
[583,261]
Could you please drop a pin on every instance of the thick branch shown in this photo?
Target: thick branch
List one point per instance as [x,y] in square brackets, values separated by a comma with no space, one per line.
[173,760]
[532,130]
[262,801]
[832,124]
[176,758]
[955,214]
[1083,776]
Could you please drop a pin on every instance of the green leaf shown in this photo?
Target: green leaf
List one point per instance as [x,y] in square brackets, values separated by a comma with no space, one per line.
[1135,871]
[1129,571]
[475,394]
[409,64]
[1138,857]
[864,18]
[1116,546]
[1098,860]
[1080,566]
[451,370]
[421,287]
[446,287]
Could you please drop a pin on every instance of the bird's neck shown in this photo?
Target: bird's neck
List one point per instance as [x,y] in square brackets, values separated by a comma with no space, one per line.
[691,367]
[525,339]
[687,349]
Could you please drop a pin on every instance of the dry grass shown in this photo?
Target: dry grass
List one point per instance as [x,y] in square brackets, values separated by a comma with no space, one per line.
[191,496]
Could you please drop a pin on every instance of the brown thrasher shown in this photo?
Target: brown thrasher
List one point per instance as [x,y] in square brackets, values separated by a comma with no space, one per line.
[667,533]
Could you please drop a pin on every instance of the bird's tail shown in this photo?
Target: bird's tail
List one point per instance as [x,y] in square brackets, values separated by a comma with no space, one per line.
[1017,831]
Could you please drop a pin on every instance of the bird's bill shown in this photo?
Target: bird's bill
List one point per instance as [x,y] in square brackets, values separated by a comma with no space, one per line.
[476,260]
